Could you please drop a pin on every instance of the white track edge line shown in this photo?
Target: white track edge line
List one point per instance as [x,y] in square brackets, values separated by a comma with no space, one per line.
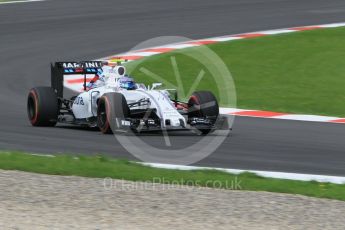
[266,174]
[21,1]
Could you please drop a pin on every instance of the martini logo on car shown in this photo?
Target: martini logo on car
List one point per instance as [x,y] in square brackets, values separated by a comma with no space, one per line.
[78,65]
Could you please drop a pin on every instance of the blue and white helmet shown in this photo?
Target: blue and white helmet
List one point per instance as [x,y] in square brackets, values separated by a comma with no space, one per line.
[127,83]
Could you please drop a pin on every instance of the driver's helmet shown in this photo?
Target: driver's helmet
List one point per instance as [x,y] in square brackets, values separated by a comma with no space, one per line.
[127,83]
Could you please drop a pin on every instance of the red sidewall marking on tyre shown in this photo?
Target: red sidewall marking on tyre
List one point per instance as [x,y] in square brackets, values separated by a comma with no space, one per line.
[107,110]
[34,120]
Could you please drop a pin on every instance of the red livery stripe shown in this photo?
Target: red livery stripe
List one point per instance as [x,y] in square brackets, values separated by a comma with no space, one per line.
[78,80]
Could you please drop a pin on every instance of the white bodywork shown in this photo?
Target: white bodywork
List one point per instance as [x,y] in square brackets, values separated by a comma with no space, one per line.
[85,105]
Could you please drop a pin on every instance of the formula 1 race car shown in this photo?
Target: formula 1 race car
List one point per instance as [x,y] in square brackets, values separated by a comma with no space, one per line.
[119,104]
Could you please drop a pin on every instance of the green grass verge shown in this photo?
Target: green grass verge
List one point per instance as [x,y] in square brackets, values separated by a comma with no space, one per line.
[7,1]
[102,167]
[302,72]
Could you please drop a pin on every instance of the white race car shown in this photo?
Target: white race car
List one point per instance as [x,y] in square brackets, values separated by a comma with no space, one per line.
[117,105]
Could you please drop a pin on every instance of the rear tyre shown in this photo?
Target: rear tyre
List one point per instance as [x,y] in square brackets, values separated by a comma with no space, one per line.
[42,106]
[203,104]
[112,107]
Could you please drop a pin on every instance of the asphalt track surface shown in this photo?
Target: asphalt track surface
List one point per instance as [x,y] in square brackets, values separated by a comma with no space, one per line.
[33,34]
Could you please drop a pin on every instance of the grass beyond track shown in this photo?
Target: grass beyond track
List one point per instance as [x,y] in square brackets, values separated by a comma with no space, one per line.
[4,1]
[102,167]
[301,72]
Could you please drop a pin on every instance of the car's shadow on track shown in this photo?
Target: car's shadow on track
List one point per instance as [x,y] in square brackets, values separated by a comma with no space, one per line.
[143,134]
[72,127]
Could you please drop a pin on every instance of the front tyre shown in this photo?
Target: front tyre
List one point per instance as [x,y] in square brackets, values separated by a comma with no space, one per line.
[203,104]
[112,107]
[42,106]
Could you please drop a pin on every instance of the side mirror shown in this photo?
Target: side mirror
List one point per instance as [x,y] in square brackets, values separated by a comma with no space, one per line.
[155,85]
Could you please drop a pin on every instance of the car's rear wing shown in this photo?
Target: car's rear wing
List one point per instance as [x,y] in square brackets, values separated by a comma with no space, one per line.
[59,69]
